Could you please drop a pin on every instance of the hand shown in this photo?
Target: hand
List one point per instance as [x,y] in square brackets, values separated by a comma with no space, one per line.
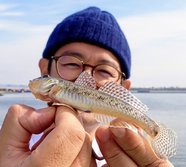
[67,144]
[122,147]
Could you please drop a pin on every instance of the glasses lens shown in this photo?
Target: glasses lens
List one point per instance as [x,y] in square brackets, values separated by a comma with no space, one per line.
[105,73]
[69,67]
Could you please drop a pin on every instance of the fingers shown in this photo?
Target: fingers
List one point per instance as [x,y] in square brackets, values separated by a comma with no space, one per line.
[113,154]
[134,145]
[63,144]
[21,121]
[122,147]
[137,147]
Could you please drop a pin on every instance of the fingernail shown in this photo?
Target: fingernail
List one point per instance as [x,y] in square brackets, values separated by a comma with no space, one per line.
[118,132]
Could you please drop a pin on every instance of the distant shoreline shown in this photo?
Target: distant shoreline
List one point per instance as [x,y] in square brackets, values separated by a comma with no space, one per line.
[159,90]
[133,90]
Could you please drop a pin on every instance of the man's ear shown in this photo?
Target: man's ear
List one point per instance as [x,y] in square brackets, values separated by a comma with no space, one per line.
[126,84]
[43,65]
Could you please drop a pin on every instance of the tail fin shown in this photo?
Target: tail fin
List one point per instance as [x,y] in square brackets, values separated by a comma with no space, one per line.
[164,143]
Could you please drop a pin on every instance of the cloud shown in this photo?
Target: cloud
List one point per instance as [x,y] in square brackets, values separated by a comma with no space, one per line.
[21,46]
[21,53]
[157,43]
[8,23]
[22,27]
[155,26]
[7,10]
[19,59]
[12,14]
[4,7]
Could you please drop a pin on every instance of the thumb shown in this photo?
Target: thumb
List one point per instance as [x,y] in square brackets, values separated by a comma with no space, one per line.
[63,144]
[22,121]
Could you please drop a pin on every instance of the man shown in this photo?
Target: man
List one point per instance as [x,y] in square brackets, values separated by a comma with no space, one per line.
[92,41]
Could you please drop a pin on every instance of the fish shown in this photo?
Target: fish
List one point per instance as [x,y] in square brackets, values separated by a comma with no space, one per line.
[109,102]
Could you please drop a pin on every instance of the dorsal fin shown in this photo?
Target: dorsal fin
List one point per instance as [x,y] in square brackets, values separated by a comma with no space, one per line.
[86,80]
[123,94]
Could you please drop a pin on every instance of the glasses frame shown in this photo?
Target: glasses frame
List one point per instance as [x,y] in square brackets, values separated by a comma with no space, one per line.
[121,74]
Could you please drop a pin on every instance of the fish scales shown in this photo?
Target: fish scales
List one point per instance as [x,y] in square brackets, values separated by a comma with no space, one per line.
[163,139]
[102,103]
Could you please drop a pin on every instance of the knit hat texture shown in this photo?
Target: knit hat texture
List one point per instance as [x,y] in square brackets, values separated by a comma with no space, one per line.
[95,27]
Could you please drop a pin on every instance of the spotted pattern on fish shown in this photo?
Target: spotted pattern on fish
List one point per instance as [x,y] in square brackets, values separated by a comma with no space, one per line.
[107,104]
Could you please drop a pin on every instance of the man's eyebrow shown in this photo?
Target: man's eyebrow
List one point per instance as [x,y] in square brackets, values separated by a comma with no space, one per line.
[72,53]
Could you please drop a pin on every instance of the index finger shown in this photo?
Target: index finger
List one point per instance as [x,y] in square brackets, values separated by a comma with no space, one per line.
[22,121]
[62,145]
[136,146]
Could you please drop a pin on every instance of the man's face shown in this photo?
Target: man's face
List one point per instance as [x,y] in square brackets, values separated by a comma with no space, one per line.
[89,54]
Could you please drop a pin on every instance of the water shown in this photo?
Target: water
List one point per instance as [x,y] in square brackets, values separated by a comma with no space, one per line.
[169,109]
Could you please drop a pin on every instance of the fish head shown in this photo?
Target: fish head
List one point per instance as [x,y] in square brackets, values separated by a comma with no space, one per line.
[41,86]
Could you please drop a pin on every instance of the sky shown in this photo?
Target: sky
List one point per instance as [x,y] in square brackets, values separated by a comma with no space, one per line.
[155,30]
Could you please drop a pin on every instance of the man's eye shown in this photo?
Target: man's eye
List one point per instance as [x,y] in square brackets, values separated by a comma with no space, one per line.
[104,73]
[71,65]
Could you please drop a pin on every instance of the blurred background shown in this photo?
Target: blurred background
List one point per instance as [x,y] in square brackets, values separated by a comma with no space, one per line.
[156,32]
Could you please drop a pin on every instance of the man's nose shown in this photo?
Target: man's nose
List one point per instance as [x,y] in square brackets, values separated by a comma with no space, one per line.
[88,69]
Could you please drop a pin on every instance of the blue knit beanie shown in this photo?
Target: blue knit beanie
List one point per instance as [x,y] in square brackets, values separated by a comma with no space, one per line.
[95,27]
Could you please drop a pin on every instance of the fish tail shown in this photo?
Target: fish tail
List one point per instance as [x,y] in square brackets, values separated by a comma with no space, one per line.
[164,143]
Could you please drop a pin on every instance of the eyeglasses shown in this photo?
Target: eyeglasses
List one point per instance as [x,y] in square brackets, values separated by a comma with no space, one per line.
[70,67]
